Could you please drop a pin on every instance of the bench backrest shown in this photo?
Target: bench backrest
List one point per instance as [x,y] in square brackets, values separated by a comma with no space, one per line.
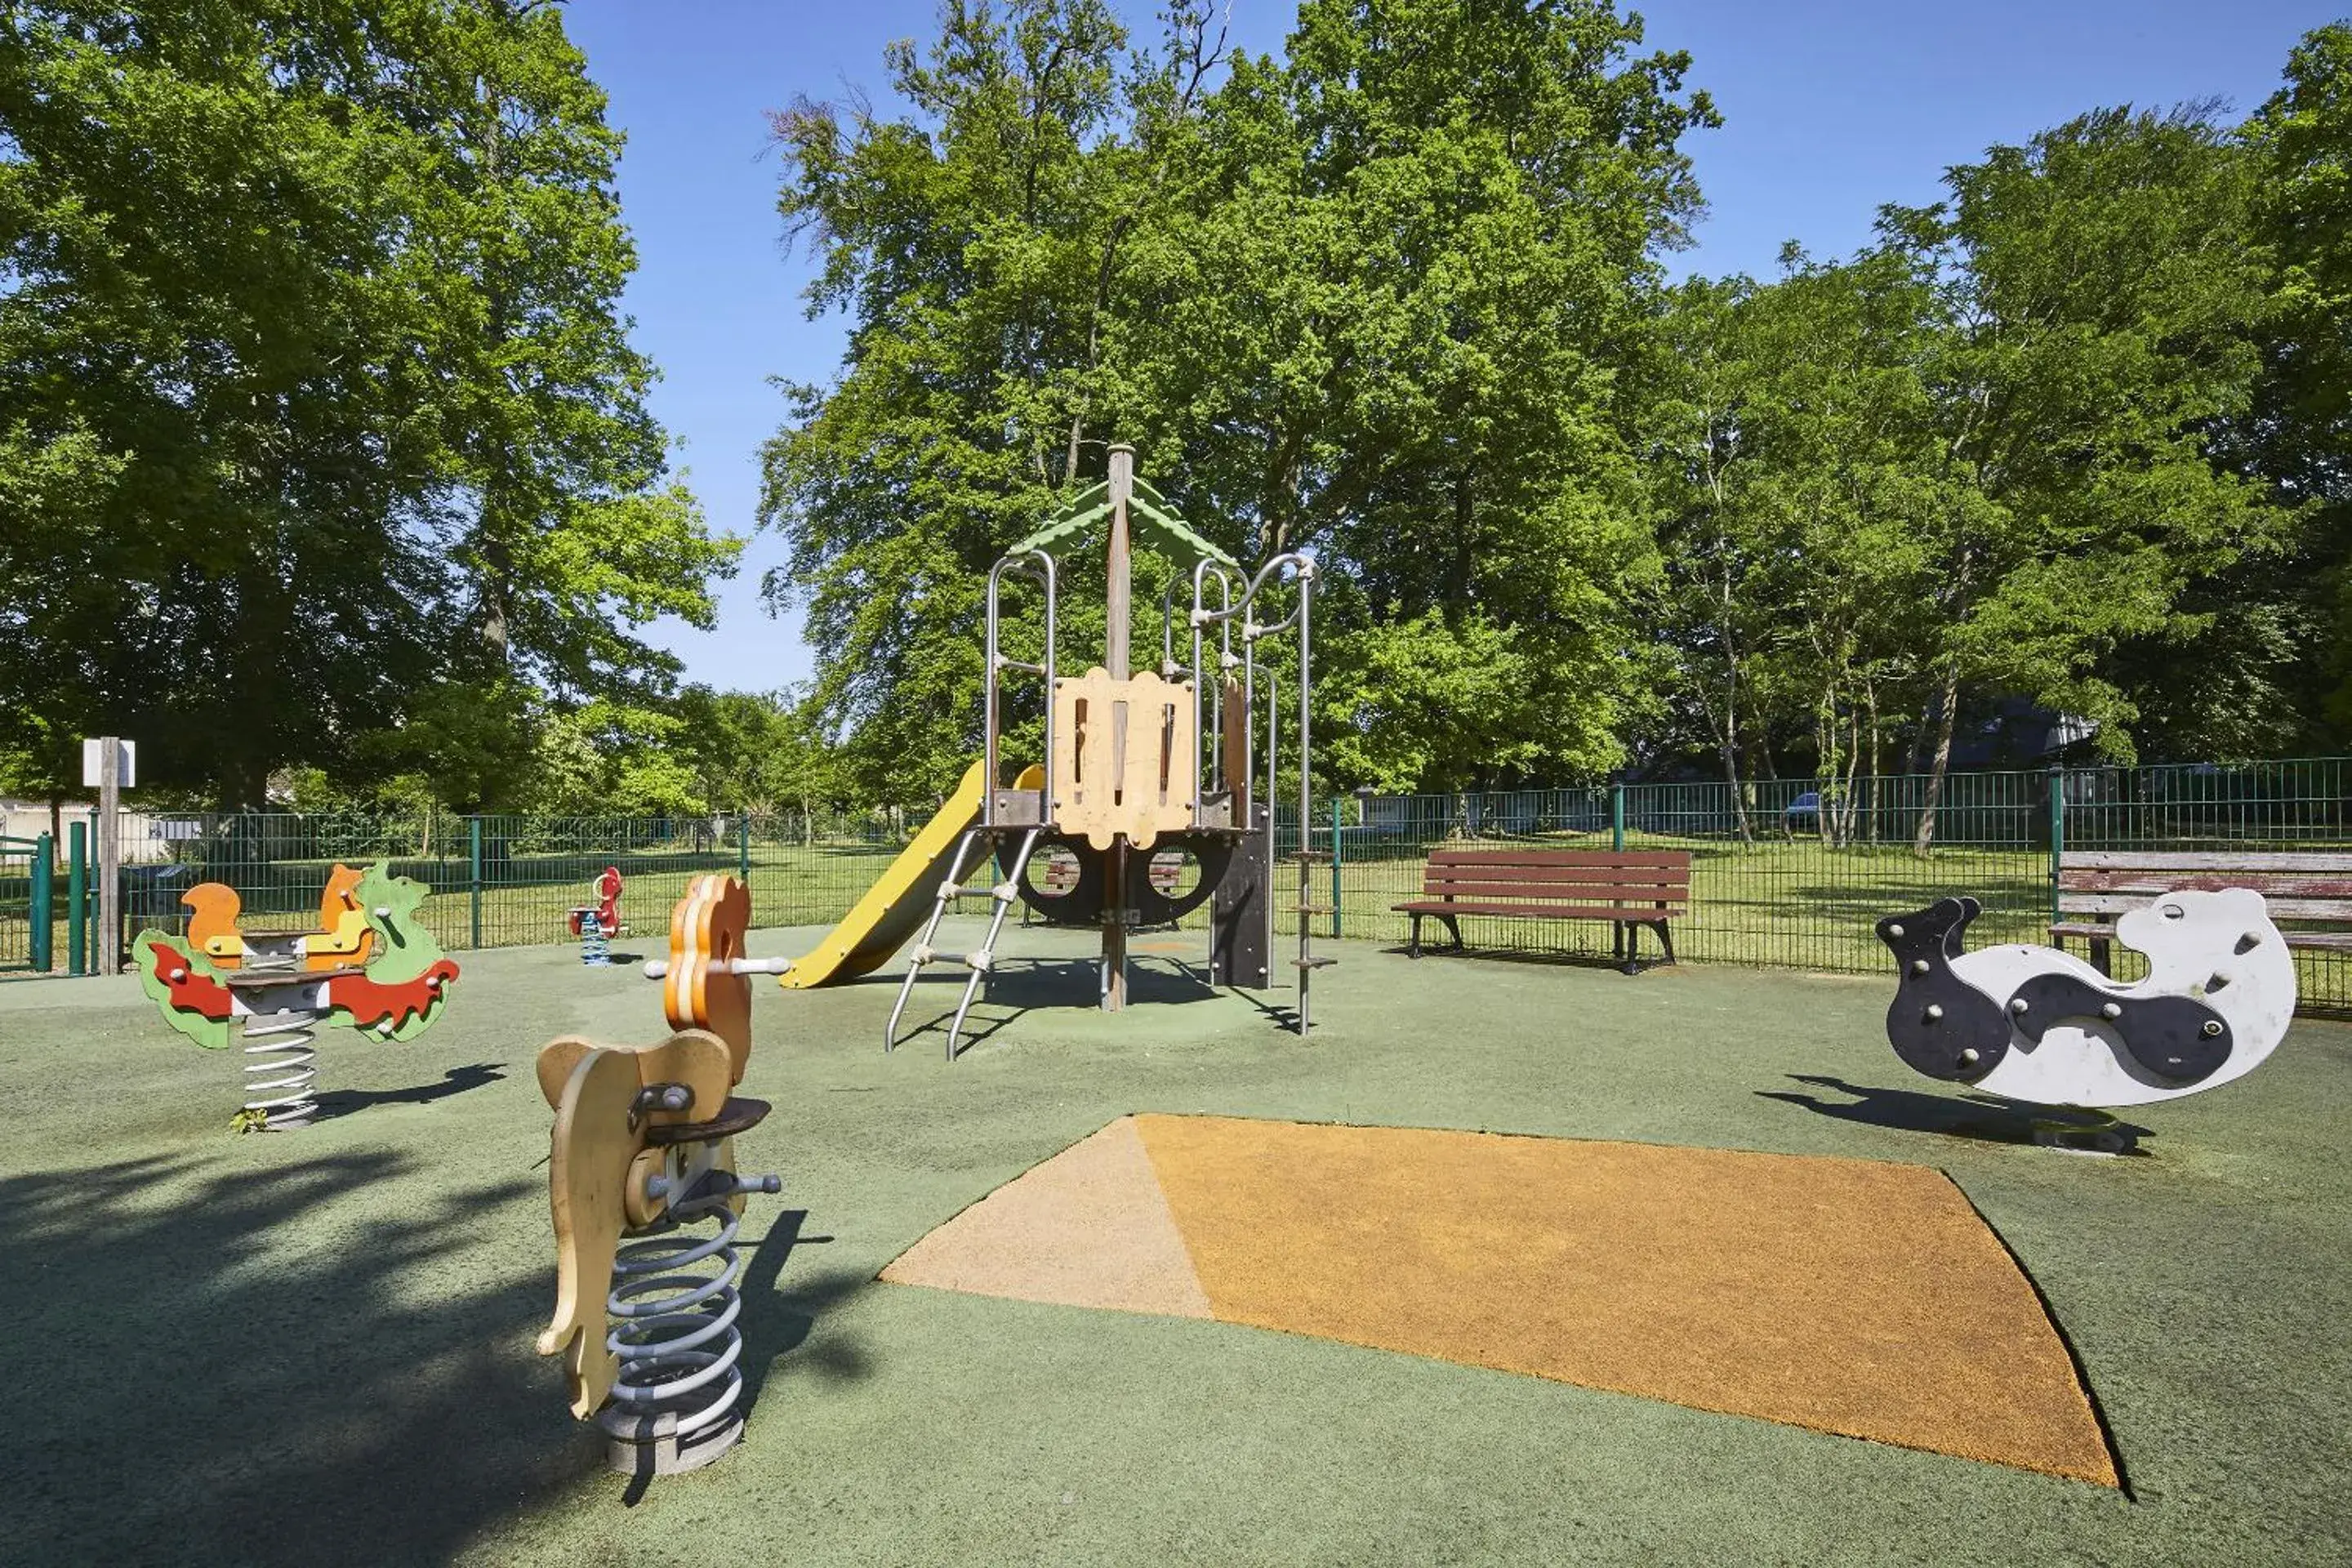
[2297,885]
[1646,879]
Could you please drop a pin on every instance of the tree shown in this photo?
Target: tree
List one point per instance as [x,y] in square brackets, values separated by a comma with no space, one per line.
[1373,300]
[2100,286]
[2295,609]
[311,353]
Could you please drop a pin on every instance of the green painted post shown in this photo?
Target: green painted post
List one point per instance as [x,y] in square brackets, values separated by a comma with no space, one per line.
[474,860]
[1617,816]
[2057,833]
[45,855]
[77,898]
[743,849]
[1335,864]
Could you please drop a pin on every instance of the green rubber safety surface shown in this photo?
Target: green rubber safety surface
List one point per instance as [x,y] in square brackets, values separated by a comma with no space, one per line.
[317,1347]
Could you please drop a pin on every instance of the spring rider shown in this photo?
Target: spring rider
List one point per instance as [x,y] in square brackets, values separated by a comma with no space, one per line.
[369,964]
[643,1154]
[597,924]
[2042,1027]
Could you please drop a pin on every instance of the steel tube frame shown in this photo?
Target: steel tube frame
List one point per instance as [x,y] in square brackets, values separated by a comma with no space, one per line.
[1035,563]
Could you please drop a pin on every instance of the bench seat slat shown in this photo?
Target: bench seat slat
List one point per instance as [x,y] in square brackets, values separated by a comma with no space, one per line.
[1435,880]
[1628,911]
[2280,909]
[2326,941]
[2210,860]
[1614,859]
[2283,884]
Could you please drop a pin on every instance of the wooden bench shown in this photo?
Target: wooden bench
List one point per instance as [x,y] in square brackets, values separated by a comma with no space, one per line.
[1630,889]
[2302,889]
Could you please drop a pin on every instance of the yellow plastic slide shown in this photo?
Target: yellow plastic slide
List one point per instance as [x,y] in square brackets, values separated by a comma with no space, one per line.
[894,908]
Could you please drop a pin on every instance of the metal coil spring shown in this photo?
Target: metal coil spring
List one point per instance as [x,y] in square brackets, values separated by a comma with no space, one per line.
[282,1069]
[677,1337]
[595,944]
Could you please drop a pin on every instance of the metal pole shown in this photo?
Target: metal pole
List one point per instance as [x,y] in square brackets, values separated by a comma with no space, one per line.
[1117,611]
[2057,833]
[474,875]
[44,897]
[1336,801]
[1617,816]
[107,955]
[78,897]
[743,849]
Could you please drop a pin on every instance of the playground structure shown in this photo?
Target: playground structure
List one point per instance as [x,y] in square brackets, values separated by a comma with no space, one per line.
[369,961]
[2036,1024]
[1137,767]
[597,924]
[643,1147]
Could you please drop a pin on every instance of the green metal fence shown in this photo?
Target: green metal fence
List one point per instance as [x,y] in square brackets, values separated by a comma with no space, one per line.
[28,894]
[1786,873]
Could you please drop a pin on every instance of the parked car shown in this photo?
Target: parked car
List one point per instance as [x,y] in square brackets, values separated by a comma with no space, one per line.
[1804,813]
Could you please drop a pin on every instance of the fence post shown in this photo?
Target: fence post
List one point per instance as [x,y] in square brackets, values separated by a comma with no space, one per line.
[474,875]
[44,894]
[743,849]
[1617,816]
[77,898]
[1336,799]
[2057,833]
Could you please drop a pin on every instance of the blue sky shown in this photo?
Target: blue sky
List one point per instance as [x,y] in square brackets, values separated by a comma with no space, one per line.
[1830,108]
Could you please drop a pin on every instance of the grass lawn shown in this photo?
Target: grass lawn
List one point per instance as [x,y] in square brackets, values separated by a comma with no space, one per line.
[316,1348]
[1788,904]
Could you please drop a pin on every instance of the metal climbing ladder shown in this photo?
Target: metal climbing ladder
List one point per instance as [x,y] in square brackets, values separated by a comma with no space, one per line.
[979,961]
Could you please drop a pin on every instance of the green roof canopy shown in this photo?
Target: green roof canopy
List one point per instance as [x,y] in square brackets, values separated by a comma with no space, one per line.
[1147,514]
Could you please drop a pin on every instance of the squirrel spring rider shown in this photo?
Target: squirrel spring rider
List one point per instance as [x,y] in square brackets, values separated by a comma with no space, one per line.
[643,1157]
[369,962]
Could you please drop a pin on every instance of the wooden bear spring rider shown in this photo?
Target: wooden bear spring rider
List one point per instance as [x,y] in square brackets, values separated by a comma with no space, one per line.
[643,1155]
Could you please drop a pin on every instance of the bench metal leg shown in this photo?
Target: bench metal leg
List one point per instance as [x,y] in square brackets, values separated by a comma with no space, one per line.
[2102,958]
[1666,939]
[1631,935]
[1453,927]
[1413,947]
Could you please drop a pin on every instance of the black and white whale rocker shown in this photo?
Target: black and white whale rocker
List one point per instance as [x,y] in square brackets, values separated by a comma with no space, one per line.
[2036,1024]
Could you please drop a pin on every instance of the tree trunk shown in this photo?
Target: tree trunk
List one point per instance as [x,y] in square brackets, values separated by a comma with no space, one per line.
[1941,760]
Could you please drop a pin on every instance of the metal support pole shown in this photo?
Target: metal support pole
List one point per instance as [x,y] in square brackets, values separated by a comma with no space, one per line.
[743,849]
[107,954]
[1118,611]
[474,873]
[44,898]
[78,897]
[1617,817]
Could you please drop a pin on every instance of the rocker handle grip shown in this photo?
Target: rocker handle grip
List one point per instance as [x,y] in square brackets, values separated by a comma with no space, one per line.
[655,968]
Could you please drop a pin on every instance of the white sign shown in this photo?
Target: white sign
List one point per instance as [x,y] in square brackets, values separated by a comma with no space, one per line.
[93,762]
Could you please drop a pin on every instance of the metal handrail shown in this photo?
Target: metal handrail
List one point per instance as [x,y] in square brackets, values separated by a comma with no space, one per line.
[1038,563]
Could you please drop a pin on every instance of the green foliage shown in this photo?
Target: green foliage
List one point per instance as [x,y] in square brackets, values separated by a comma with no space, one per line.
[315,402]
[1367,300]
[1981,457]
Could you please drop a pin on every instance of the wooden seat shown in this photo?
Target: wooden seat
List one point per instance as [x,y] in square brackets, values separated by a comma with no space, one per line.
[2302,888]
[1630,889]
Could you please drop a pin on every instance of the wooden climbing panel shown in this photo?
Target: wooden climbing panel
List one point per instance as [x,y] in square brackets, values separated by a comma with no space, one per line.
[1125,755]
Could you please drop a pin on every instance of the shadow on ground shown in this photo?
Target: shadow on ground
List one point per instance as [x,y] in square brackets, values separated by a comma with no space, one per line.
[457,1080]
[296,1365]
[1976,1117]
[1017,988]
